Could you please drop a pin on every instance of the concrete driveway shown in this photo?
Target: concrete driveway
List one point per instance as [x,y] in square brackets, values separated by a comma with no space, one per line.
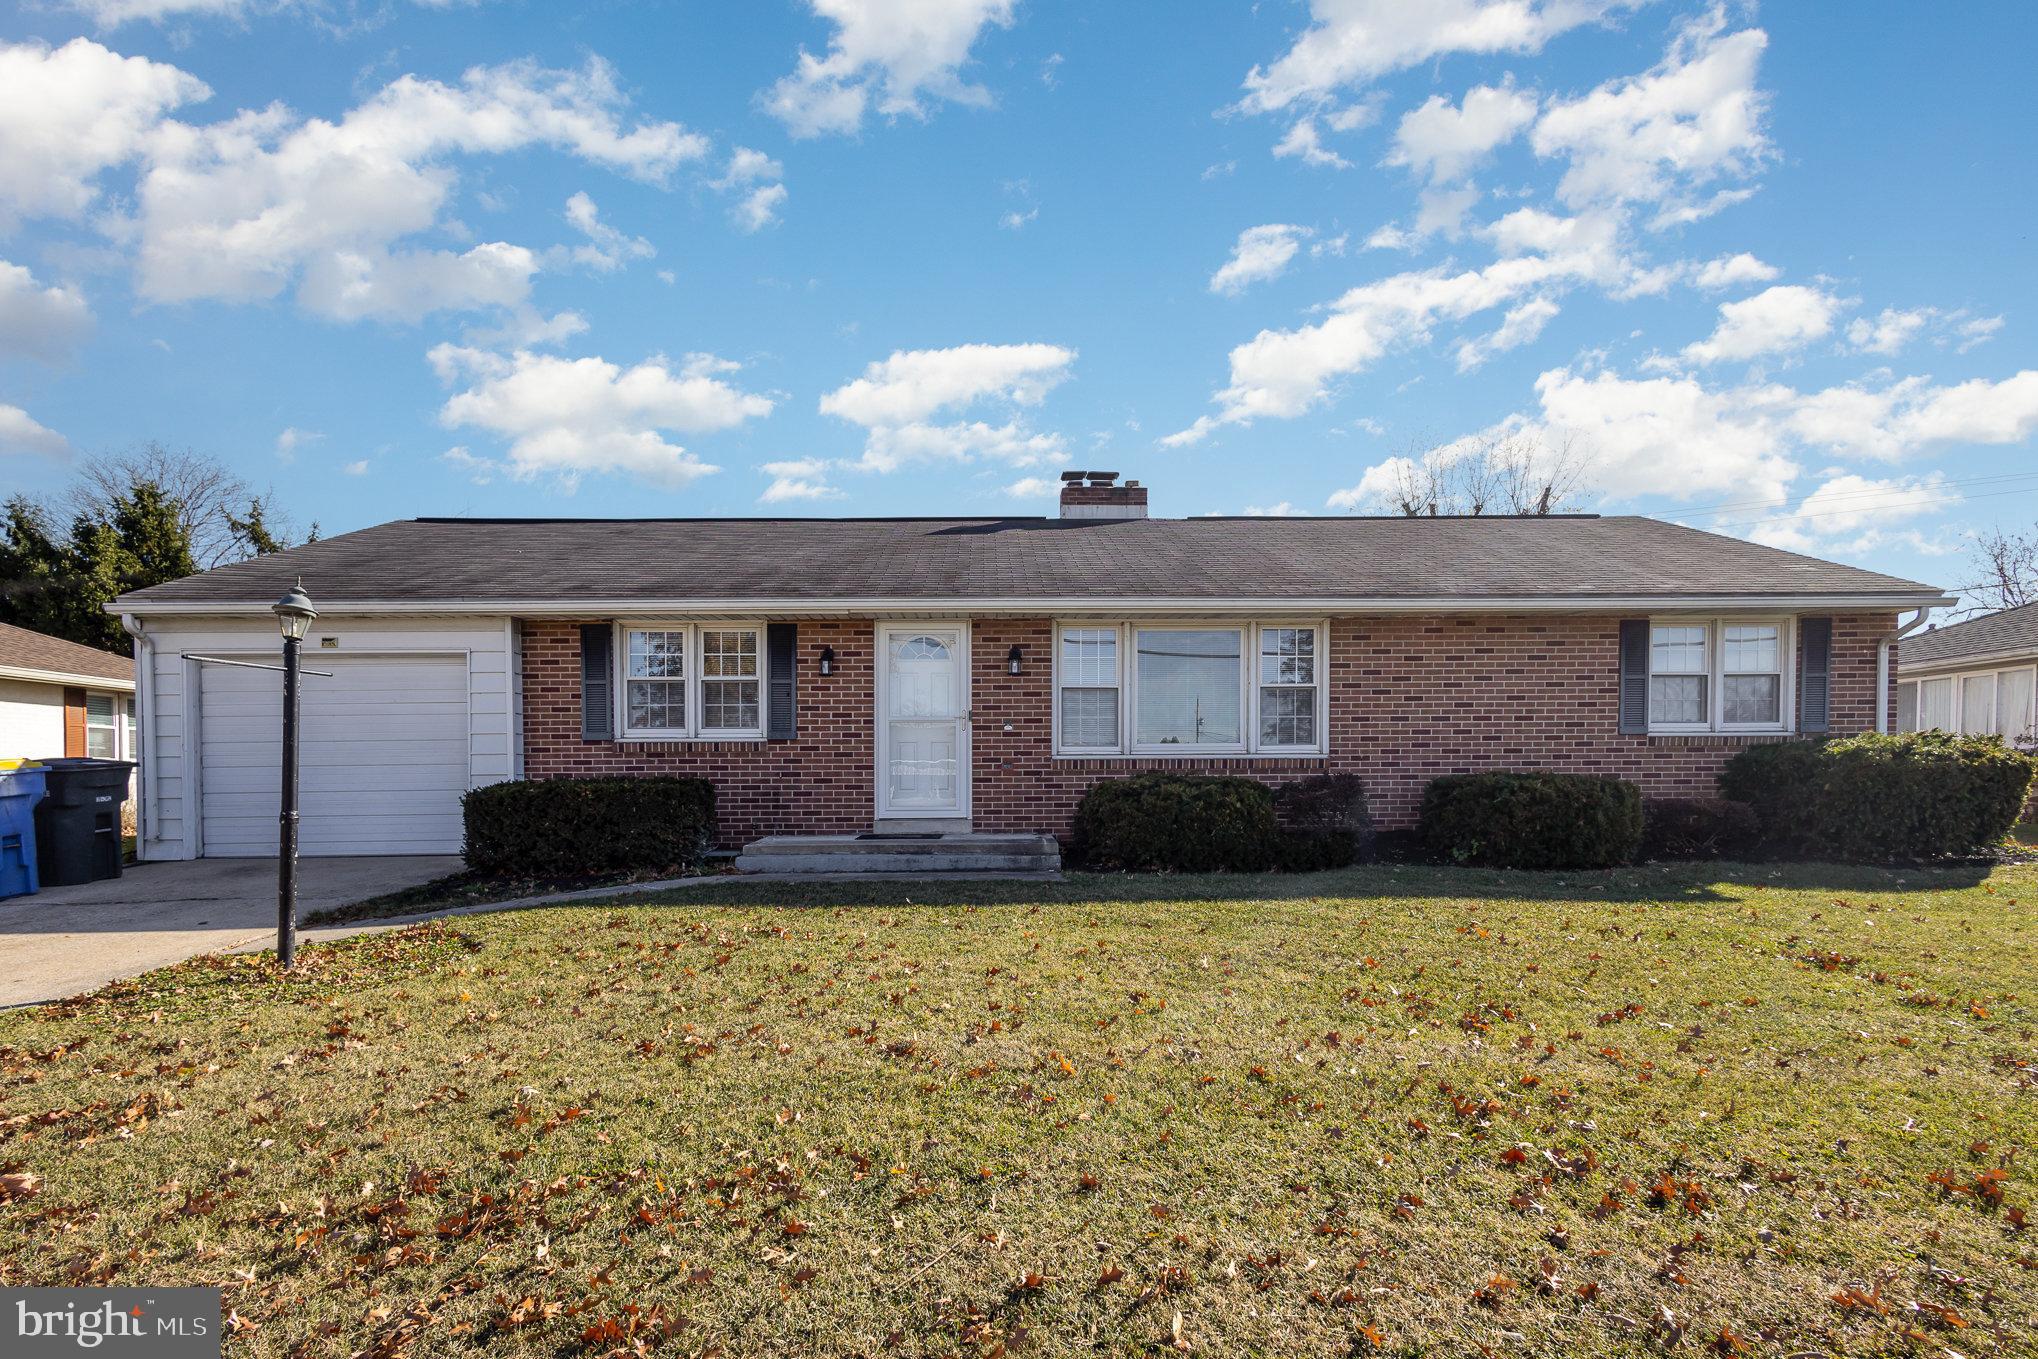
[65,940]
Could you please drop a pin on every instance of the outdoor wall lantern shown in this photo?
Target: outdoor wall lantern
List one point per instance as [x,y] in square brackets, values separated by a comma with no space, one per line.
[1012,660]
[827,660]
[293,615]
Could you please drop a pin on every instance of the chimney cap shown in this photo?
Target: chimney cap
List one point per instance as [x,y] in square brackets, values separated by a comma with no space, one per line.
[1073,476]
[1102,478]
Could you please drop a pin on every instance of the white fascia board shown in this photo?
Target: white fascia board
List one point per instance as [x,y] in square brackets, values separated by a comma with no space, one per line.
[639,606]
[15,672]
[2008,659]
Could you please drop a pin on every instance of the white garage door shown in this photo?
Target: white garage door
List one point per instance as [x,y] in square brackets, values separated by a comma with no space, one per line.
[382,756]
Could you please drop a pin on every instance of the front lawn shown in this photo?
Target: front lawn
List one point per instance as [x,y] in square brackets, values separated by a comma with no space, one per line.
[1781,1111]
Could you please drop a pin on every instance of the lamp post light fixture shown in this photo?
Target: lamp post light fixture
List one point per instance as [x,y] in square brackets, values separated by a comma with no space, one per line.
[293,614]
[1012,659]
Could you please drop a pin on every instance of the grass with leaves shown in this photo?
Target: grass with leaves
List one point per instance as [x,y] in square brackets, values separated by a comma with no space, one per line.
[1778,1111]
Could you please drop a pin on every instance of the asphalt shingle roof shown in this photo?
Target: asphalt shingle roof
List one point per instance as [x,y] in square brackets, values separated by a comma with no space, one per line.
[21,649]
[477,562]
[2010,630]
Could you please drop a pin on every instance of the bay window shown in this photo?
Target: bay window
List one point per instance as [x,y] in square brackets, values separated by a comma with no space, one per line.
[1720,674]
[1182,689]
[685,680]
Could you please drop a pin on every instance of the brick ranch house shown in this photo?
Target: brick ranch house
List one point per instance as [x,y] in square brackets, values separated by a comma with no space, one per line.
[835,675]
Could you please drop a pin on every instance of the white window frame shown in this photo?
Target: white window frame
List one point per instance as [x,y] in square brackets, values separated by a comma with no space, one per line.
[1249,630]
[122,747]
[1716,626]
[696,709]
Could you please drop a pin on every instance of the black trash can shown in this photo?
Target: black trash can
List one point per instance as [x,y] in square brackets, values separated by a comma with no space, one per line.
[77,827]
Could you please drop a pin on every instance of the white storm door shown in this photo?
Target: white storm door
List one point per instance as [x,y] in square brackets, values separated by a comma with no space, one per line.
[923,720]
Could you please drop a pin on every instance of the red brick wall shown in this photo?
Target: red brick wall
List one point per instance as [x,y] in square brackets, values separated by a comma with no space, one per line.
[1410,698]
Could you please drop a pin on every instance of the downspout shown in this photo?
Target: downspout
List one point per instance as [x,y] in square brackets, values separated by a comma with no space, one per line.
[144,721]
[1882,690]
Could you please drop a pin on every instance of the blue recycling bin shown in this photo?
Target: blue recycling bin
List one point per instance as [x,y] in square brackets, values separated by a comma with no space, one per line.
[20,790]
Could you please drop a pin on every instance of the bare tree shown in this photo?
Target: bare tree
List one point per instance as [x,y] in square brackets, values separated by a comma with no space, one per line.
[215,506]
[1515,473]
[2006,567]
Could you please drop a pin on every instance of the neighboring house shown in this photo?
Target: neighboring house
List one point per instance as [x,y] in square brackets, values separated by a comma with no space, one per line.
[1979,677]
[59,698]
[835,675]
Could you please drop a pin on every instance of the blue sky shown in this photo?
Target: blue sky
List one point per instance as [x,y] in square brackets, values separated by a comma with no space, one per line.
[1763,270]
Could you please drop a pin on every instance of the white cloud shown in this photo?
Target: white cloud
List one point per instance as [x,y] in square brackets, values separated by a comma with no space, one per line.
[891,54]
[1730,271]
[913,384]
[887,448]
[1031,488]
[1277,511]
[481,471]
[69,113]
[569,417]
[1280,374]
[1777,319]
[1353,42]
[241,210]
[1676,436]
[292,439]
[1854,508]
[112,13]
[1304,142]
[1260,254]
[1980,330]
[21,434]
[1521,325]
[1444,141]
[1694,118]
[797,479]
[1376,485]
[37,322]
[1016,220]
[358,468]
[756,177]
[1889,332]
[607,249]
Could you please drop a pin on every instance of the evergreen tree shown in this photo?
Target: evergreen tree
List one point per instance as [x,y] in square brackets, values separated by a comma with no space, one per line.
[61,586]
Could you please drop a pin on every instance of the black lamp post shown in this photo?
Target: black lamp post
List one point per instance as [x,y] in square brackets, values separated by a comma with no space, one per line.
[294,614]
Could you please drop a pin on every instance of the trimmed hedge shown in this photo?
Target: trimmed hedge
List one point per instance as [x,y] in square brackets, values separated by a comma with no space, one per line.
[1871,798]
[1178,823]
[1699,828]
[1531,820]
[1325,821]
[571,826]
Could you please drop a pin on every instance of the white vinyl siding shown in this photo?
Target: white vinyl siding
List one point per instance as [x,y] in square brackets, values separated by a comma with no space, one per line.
[1991,702]
[1721,675]
[177,726]
[1191,689]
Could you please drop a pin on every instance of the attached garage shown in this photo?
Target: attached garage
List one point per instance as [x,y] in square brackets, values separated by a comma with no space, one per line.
[383,752]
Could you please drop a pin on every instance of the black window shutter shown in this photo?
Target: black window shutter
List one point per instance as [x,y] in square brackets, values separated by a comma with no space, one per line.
[1815,685]
[597,682]
[1634,677]
[782,671]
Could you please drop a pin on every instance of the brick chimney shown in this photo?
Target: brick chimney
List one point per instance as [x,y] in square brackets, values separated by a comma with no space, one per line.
[1096,495]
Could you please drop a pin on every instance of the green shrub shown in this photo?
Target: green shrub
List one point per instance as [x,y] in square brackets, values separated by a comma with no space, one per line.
[571,826]
[1699,828]
[1531,820]
[1325,822]
[1178,823]
[1917,795]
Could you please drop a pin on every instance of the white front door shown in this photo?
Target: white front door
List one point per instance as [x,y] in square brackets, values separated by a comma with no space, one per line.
[923,720]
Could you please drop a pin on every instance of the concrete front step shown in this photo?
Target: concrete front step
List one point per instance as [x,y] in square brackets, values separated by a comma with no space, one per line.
[947,853]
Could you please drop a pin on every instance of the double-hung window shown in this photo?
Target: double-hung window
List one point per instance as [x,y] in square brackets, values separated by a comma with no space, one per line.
[1184,689]
[691,680]
[1720,674]
[102,726]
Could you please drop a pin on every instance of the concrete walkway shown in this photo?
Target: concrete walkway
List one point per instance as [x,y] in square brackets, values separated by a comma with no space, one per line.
[65,940]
